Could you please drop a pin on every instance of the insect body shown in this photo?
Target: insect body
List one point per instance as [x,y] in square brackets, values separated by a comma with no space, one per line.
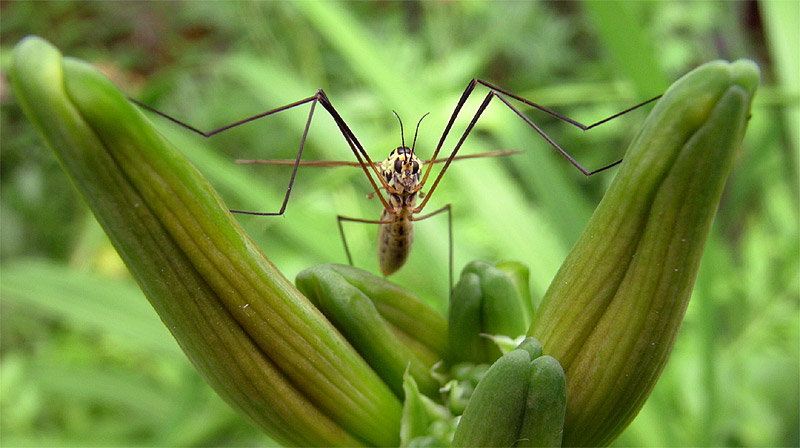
[396,234]
[402,176]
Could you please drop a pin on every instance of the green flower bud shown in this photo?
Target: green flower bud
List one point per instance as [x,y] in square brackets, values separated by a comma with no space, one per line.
[519,402]
[545,404]
[256,340]
[391,328]
[519,275]
[485,301]
[610,317]
[613,310]
[532,346]
[494,413]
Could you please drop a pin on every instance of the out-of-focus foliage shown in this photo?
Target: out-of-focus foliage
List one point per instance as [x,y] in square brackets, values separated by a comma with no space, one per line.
[84,361]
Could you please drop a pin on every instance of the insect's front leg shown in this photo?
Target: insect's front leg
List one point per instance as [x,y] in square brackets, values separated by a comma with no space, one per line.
[505,97]
[319,97]
[312,99]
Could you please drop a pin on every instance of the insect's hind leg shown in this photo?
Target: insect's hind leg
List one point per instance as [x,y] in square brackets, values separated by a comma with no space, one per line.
[340,219]
[447,209]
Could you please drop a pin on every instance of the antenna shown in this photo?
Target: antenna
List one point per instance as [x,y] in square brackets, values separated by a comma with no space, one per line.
[417,132]
[402,137]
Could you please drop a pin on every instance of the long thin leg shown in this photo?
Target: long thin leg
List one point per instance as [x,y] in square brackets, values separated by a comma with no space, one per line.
[294,170]
[358,150]
[340,218]
[446,208]
[562,117]
[313,98]
[501,94]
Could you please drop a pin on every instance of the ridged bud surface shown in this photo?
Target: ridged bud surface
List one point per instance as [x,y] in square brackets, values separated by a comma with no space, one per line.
[613,311]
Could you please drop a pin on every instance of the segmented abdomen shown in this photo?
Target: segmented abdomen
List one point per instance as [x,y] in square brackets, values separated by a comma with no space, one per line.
[394,242]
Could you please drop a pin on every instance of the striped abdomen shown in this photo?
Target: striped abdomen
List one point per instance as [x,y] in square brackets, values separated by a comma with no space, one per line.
[394,242]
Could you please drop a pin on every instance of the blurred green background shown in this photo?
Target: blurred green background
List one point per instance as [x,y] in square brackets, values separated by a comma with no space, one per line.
[85,361]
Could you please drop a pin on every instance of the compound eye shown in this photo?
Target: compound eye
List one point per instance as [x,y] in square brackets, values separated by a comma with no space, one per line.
[398,166]
[414,167]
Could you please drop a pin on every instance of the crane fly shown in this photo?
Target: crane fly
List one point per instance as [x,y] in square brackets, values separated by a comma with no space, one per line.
[401,171]
[402,176]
